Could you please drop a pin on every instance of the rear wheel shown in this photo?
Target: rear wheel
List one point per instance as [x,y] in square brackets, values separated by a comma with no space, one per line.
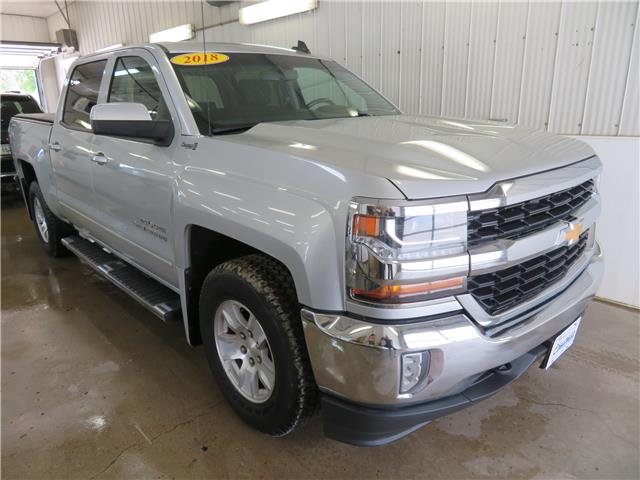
[50,230]
[252,333]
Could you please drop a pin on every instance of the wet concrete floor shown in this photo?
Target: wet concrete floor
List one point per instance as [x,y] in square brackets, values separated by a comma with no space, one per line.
[94,386]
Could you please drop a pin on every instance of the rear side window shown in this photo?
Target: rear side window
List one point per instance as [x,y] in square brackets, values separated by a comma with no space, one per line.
[82,94]
[133,81]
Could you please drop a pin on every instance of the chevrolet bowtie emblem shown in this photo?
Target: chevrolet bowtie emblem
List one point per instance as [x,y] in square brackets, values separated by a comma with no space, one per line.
[571,233]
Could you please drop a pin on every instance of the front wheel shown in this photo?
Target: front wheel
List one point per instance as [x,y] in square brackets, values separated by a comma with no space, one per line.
[252,334]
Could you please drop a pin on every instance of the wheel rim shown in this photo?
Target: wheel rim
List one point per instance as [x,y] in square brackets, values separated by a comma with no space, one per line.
[244,351]
[41,221]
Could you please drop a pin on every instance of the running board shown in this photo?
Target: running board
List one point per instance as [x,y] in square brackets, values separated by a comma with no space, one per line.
[160,300]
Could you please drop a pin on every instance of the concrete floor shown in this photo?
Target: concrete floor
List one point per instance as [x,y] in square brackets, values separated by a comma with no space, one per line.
[94,386]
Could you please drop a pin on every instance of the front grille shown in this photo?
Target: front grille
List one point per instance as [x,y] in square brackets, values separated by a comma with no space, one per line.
[499,291]
[515,221]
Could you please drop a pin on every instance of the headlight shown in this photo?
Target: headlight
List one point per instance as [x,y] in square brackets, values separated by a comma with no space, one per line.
[406,252]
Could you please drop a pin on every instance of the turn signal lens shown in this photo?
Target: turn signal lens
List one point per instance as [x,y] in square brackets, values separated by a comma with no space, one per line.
[366,225]
[390,292]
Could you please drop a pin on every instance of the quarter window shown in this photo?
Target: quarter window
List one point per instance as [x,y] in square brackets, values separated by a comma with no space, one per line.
[133,81]
[82,94]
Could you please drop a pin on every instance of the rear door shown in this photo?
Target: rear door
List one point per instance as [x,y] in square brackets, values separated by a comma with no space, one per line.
[133,184]
[71,145]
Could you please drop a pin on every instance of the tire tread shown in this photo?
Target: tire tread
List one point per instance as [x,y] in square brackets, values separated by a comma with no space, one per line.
[272,280]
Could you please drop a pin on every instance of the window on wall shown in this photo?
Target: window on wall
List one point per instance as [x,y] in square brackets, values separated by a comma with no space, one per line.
[82,94]
[133,81]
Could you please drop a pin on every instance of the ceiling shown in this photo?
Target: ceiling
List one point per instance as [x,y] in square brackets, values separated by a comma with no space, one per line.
[31,8]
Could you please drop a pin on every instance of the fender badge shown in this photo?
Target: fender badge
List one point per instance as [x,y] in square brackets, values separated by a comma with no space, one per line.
[190,146]
[571,233]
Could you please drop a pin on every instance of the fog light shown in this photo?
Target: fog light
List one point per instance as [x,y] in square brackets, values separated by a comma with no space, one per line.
[414,368]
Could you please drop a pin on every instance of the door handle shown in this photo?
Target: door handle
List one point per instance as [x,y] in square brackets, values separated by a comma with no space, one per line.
[99,158]
[56,147]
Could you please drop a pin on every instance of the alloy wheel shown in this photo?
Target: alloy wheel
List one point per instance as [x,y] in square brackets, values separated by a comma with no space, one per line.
[244,351]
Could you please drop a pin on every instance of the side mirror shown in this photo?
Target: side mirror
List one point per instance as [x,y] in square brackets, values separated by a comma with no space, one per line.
[131,120]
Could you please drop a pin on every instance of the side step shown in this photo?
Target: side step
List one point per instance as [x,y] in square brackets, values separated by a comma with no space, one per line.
[162,301]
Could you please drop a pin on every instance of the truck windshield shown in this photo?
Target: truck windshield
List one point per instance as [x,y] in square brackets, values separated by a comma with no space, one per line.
[241,90]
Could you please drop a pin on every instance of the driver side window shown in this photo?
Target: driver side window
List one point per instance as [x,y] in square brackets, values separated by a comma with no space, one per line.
[133,81]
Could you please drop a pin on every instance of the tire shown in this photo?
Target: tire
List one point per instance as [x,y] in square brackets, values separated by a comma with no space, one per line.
[264,288]
[50,230]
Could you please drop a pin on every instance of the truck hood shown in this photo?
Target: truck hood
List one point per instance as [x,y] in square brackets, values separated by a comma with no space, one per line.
[423,156]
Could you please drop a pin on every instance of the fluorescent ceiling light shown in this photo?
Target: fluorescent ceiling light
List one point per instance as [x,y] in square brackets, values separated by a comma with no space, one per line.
[119,73]
[29,48]
[110,47]
[270,9]
[175,34]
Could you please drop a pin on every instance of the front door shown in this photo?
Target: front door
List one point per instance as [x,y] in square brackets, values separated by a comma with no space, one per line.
[71,145]
[133,180]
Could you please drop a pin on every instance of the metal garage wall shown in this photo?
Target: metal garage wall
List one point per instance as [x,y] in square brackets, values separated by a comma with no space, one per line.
[19,28]
[570,67]
[103,23]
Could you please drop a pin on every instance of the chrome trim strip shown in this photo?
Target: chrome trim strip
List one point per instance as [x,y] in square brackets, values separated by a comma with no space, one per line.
[406,311]
[510,192]
[372,267]
[505,253]
[481,316]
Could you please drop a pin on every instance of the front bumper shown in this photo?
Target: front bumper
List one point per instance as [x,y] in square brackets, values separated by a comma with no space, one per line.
[356,362]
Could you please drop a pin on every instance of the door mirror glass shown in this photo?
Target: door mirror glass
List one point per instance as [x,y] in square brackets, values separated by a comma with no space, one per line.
[131,120]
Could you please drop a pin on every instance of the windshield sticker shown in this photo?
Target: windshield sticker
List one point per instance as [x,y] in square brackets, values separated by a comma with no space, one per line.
[199,58]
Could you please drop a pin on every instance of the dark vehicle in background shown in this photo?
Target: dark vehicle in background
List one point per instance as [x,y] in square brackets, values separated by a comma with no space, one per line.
[13,103]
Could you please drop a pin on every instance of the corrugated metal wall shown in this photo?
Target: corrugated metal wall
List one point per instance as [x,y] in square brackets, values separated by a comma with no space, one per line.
[103,23]
[19,28]
[569,67]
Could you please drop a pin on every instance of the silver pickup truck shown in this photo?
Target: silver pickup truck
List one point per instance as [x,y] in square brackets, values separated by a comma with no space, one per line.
[326,249]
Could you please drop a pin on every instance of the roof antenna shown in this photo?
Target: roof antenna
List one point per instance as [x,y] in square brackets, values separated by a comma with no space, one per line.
[301,47]
[204,54]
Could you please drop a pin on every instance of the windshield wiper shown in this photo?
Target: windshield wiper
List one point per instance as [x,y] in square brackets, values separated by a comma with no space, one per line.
[236,129]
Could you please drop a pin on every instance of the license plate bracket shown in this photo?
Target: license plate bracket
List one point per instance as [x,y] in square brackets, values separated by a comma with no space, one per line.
[560,344]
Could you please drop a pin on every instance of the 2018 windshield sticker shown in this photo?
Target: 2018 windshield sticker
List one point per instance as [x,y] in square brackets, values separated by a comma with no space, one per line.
[199,58]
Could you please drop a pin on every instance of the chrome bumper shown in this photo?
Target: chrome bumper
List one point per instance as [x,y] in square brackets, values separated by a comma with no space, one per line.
[360,361]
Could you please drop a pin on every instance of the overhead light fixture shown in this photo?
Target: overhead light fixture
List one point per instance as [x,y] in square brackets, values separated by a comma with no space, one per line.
[270,9]
[129,71]
[29,48]
[110,47]
[175,34]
